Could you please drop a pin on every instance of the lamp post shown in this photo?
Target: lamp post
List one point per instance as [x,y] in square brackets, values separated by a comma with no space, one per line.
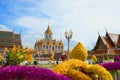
[68,36]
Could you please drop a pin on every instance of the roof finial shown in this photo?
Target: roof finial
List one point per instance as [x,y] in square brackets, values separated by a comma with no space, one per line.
[48,23]
[98,33]
[48,31]
[106,30]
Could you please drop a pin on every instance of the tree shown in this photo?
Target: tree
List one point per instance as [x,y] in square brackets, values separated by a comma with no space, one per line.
[17,55]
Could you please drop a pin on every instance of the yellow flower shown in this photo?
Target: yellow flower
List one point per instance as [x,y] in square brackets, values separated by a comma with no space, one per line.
[100,71]
[77,75]
[20,56]
[1,57]
[84,72]
[63,67]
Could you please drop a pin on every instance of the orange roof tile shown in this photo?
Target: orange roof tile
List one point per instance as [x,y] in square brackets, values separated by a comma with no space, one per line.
[107,42]
[114,37]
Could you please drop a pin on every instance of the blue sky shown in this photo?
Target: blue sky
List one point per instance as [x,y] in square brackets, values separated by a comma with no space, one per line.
[85,17]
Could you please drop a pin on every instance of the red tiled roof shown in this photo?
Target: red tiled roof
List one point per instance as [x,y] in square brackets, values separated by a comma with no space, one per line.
[107,42]
[112,43]
[114,38]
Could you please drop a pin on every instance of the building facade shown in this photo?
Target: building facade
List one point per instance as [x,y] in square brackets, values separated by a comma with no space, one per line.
[49,45]
[8,39]
[106,47]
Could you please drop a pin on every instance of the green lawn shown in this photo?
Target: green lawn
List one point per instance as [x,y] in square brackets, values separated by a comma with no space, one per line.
[45,65]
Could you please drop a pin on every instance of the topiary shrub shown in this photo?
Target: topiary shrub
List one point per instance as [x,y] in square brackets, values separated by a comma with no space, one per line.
[79,52]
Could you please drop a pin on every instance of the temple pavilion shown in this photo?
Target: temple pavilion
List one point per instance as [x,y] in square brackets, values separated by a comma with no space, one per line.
[8,39]
[106,47]
[49,45]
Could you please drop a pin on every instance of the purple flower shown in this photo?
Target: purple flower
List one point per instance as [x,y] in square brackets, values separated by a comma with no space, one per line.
[29,73]
[111,65]
[117,58]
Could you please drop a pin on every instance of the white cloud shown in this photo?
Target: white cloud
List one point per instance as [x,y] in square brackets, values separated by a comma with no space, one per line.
[84,17]
[31,22]
[4,28]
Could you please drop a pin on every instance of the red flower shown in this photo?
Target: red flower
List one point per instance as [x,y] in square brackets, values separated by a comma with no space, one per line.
[63,57]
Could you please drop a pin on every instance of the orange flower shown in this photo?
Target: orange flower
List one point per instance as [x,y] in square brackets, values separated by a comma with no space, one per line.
[29,60]
[14,49]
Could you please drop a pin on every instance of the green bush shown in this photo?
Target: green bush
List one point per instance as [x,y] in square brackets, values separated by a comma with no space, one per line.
[35,62]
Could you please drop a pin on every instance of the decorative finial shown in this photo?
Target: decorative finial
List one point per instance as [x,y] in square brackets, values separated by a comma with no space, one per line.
[48,23]
[106,30]
[98,32]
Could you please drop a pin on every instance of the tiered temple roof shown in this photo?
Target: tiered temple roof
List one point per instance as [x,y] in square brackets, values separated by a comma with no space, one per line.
[8,39]
[48,31]
[108,44]
[48,44]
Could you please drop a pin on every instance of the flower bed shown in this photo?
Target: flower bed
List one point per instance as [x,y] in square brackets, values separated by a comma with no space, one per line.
[29,73]
[111,65]
[79,70]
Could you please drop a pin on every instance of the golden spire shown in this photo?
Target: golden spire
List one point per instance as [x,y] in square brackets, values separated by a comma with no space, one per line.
[48,31]
[61,43]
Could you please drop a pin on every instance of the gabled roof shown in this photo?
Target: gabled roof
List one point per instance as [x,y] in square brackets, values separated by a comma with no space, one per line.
[98,40]
[114,38]
[110,43]
[107,42]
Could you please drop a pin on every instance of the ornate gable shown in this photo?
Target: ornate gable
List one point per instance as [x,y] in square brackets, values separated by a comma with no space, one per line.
[100,44]
[114,38]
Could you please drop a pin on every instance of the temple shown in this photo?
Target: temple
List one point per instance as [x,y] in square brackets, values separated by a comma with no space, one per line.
[106,47]
[49,45]
[8,39]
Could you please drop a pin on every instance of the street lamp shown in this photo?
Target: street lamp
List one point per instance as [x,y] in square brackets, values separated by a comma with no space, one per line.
[68,36]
